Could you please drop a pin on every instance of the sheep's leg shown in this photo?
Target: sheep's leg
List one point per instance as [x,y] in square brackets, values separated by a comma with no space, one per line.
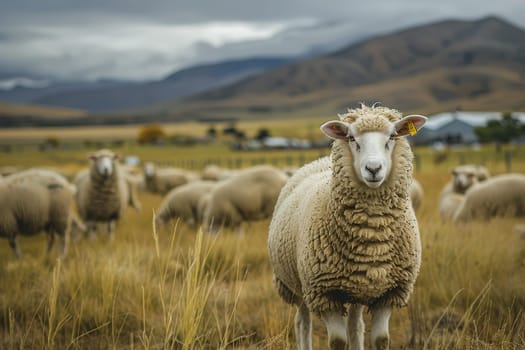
[336,328]
[91,227]
[50,241]
[111,229]
[241,229]
[303,328]
[379,330]
[13,243]
[64,242]
[356,327]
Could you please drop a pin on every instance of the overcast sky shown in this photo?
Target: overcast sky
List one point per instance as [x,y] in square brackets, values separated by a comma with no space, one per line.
[148,39]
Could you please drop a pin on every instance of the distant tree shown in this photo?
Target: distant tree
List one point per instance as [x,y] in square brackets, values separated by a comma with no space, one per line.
[212,132]
[230,130]
[501,131]
[262,134]
[151,133]
[233,131]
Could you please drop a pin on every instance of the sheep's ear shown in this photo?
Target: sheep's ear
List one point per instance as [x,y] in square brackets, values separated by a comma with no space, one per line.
[92,157]
[410,124]
[335,129]
[117,156]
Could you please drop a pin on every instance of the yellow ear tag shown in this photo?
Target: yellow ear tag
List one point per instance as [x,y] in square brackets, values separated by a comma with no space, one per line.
[411,128]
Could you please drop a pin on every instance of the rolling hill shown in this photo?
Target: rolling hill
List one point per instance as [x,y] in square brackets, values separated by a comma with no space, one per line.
[441,66]
[12,114]
[447,65]
[104,96]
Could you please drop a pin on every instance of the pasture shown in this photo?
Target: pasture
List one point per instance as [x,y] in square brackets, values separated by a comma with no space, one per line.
[175,288]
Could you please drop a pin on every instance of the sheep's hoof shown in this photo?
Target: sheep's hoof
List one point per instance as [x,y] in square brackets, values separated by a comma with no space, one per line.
[382,343]
[337,344]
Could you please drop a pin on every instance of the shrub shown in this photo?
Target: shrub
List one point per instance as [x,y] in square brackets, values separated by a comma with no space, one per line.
[151,133]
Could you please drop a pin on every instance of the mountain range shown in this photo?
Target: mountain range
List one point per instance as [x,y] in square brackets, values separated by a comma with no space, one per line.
[106,95]
[441,66]
[447,65]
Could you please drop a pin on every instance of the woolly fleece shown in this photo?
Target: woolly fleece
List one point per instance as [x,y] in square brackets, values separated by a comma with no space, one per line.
[334,241]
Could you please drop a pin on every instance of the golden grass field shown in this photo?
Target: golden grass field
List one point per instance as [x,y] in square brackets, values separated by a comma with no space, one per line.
[176,288]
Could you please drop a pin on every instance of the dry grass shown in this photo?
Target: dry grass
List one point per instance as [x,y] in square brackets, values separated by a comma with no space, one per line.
[178,289]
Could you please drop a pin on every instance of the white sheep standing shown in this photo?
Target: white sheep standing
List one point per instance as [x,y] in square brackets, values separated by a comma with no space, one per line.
[183,202]
[499,196]
[344,234]
[162,180]
[249,196]
[103,192]
[453,193]
[30,204]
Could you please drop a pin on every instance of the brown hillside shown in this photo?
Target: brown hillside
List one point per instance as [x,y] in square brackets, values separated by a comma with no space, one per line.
[22,110]
[445,65]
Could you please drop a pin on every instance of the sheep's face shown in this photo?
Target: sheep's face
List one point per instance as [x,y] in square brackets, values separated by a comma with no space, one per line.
[104,164]
[465,176]
[372,149]
[149,169]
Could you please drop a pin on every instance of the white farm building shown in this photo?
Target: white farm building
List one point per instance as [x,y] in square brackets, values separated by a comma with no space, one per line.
[457,127]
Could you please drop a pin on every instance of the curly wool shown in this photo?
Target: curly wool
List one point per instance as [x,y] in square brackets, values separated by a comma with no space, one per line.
[101,198]
[182,202]
[358,245]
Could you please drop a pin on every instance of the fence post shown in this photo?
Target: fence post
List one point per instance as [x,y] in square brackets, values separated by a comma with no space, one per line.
[508,161]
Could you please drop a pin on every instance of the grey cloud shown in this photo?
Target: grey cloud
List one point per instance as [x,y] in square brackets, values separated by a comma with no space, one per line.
[96,38]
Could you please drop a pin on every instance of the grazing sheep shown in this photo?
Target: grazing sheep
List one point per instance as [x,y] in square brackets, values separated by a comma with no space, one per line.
[162,180]
[102,192]
[135,177]
[344,234]
[27,208]
[251,195]
[47,177]
[416,194]
[499,196]
[464,177]
[182,202]
[213,172]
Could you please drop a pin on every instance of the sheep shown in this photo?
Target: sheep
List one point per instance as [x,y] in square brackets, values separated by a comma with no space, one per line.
[162,180]
[183,202]
[103,192]
[251,195]
[213,172]
[464,176]
[416,194]
[344,234]
[46,177]
[452,195]
[502,195]
[27,208]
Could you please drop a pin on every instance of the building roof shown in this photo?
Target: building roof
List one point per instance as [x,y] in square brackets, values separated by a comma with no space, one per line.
[474,119]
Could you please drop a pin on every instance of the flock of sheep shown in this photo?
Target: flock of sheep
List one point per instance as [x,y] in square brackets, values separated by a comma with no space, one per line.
[36,200]
[343,234]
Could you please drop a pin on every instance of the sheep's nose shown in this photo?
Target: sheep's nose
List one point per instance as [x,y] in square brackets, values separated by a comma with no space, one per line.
[373,167]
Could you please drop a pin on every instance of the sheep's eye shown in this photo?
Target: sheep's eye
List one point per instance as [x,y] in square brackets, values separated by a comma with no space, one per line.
[351,139]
